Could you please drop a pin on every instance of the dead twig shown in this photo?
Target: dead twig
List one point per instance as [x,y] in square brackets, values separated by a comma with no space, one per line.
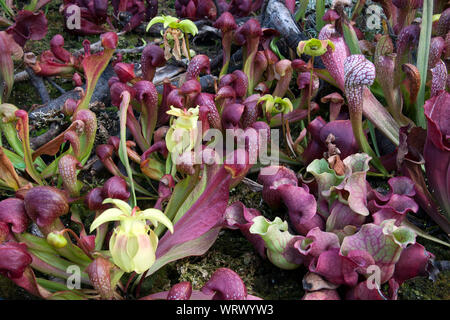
[253,185]
[39,85]
[52,132]
[55,85]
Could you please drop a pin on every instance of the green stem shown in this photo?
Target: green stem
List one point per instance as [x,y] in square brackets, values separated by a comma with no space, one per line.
[70,251]
[31,170]
[373,137]
[358,132]
[186,39]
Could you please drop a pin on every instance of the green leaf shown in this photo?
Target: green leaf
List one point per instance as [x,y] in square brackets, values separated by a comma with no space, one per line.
[93,67]
[320,11]
[24,133]
[351,39]
[54,260]
[36,243]
[422,59]
[6,8]
[196,247]
[51,285]
[193,196]
[155,20]
[423,234]
[179,195]
[187,26]
[301,11]
[67,295]
[15,159]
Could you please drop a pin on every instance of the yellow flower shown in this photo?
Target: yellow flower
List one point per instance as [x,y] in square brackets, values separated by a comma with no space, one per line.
[133,243]
[186,25]
[274,105]
[183,130]
[314,47]
[186,119]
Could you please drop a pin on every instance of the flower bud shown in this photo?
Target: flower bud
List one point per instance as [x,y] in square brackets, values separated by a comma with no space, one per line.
[69,107]
[76,79]
[56,240]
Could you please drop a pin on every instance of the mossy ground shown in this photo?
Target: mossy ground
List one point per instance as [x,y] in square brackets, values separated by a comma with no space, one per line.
[231,249]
